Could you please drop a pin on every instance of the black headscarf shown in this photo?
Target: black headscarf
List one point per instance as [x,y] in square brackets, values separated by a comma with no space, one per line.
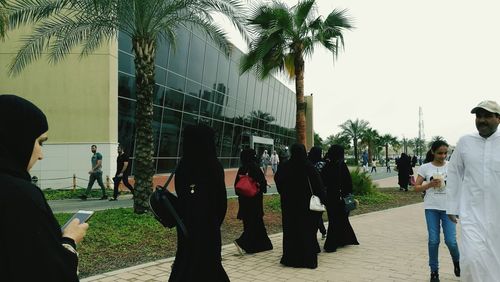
[248,156]
[198,143]
[335,153]
[314,155]
[298,153]
[21,123]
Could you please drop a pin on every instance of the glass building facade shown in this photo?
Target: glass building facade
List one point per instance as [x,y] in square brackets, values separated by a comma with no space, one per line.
[197,83]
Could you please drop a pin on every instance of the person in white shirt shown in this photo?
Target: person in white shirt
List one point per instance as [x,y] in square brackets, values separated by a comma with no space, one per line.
[433,173]
[275,160]
[473,194]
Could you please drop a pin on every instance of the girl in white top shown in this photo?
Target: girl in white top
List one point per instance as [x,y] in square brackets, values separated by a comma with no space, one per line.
[433,173]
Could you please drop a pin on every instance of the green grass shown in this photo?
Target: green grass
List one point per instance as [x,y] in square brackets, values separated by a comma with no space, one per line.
[63,194]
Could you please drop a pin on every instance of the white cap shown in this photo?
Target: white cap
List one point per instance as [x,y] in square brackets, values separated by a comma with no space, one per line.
[488,105]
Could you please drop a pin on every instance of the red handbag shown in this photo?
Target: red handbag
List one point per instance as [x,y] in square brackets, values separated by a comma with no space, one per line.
[246,186]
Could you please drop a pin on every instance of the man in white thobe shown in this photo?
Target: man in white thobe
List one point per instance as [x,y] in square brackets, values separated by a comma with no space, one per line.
[473,196]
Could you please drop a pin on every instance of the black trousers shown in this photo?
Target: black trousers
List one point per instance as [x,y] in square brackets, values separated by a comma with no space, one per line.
[117,180]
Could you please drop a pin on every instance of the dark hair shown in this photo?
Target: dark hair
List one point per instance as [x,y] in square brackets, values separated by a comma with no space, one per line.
[429,157]
[93,146]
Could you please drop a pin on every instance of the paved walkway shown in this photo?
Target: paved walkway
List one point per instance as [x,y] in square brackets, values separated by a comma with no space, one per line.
[393,247]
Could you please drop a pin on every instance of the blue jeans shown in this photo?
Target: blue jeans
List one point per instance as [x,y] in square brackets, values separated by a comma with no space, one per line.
[434,219]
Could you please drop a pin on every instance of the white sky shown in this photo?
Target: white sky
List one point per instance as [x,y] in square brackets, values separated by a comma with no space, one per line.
[442,55]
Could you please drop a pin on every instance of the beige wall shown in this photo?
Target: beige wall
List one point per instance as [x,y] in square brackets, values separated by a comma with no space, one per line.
[309,122]
[79,96]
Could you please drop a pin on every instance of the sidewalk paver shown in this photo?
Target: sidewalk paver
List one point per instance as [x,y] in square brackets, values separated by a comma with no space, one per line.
[393,247]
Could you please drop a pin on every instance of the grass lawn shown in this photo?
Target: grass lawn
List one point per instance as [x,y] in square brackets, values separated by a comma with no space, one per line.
[119,238]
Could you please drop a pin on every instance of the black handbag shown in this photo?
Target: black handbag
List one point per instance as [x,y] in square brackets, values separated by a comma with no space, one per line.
[165,205]
[350,203]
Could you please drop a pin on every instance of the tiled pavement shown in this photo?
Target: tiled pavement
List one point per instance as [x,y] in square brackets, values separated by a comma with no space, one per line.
[393,247]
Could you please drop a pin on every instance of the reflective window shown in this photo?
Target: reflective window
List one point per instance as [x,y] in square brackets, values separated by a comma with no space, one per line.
[222,73]
[124,42]
[161,76]
[227,140]
[174,99]
[176,82]
[218,127]
[126,63]
[126,86]
[196,53]
[210,67]
[126,124]
[157,112]
[166,165]
[232,85]
[193,88]
[250,94]
[158,95]
[218,112]
[178,57]
[170,133]
[191,104]
[206,108]
[162,51]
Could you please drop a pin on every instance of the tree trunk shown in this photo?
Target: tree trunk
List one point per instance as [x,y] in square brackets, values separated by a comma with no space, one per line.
[355,143]
[144,50]
[300,117]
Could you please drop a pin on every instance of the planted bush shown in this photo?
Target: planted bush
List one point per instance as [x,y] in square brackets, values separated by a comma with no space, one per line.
[362,183]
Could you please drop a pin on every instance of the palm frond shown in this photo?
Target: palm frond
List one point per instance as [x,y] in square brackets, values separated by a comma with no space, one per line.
[303,11]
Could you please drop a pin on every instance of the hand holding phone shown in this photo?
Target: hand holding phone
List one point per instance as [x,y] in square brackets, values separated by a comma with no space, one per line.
[81,215]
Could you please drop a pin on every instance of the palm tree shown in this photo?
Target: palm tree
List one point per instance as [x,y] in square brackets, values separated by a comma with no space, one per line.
[354,129]
[419,145]
[285,36]
[387,140]
[3,18]
[370,138]
[338,139]
[60,25]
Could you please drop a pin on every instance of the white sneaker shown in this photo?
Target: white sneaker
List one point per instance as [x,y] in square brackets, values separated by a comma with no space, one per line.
[238,248]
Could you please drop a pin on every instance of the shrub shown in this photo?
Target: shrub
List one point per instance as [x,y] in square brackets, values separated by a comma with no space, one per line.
[362,183]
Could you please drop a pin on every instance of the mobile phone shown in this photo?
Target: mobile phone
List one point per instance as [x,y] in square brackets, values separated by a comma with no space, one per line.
[82,215]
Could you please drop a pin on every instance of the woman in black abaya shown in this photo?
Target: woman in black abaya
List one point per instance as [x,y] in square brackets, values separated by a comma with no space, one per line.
[404,171]
[294,180]
[338,182]
[199,184]
[254,238]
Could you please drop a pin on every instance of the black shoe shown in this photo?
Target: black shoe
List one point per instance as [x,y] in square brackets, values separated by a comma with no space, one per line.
[83,197]
[456,268]
[434,276]
[105,197]
[113,199]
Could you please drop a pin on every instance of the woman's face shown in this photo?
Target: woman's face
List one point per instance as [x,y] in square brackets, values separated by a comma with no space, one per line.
[37,153]
[441,153]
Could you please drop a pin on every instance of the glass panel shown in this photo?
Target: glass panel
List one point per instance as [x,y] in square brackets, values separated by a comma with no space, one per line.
[191,104]
[257,96]
[158,95]
[124,42]
[161,76]
[218,112]
[176,82]
[217,126]
[242,89]
[174,99]
[219,98]
[157,111]
[233,80]
[178,57]
[162,51]
[207,94]
[227,140]
[166,165]
[210,67]
[126,124]
[206,109]
[193,88]
[196,53]
[126,63]
[126,86]
[170,133]
[222,73]
[250,94]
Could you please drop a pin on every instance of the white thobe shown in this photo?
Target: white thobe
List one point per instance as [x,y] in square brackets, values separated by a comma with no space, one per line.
[473,193]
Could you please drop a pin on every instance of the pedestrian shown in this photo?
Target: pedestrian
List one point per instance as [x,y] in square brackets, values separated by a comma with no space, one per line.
[95,174]
[434,174]
[254,238]
[387,165]
[404,171]
[473,195]
[264,159]
[413,161]
[295,180]
[374,166]
[202,199]
[364,157]
[122,172]
[32,245]
[338,182]
[316,159]
[275,160]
